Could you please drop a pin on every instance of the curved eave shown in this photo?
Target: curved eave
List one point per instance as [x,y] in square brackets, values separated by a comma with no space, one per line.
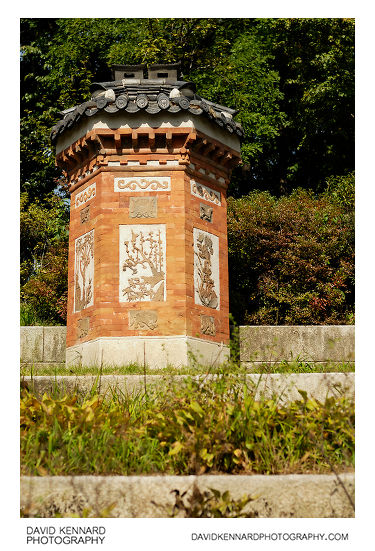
[151,102]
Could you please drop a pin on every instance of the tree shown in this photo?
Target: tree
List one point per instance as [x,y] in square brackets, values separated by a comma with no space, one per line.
[315,61]
[292,81]
[44,260]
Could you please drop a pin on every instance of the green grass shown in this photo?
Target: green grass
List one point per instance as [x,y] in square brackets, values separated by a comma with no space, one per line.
[130,369]
[300,366]
[211,426]
[296,366]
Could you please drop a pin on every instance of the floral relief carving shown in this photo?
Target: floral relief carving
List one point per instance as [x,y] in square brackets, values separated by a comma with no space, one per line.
[84,271]
[206,269]
[142,263]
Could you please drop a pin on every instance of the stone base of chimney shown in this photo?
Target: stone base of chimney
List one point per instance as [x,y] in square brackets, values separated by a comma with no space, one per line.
[154,352]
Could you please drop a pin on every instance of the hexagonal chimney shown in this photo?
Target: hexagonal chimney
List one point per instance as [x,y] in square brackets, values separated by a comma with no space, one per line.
[148,163]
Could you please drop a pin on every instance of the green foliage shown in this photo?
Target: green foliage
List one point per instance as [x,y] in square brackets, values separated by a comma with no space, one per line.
[210,504]
[291,259]
[207,426]
[301,366]
[292,81]
[341,189]
[315,61]
[281,366]
[245,80]
[44,260]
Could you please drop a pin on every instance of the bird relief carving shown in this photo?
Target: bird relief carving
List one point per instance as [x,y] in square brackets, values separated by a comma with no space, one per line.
[142,269]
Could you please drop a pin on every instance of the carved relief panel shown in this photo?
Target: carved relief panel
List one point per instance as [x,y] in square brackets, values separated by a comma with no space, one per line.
[204,192]
[85,214]
[85,195]
[206,269]
[208,326]
[83,328]
[143,320]
[84,272]
[205,212]
[142,263]
[143,207]
[143,183]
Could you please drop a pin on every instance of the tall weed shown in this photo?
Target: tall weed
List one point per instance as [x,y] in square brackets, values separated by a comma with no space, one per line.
[211,425]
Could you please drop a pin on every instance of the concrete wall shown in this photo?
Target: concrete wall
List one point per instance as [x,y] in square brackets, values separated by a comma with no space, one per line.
[258,344]
[285,386]
[275,496]
[312,343]
[43,345]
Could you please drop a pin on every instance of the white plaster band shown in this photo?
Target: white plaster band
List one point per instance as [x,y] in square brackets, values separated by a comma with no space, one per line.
[155,351]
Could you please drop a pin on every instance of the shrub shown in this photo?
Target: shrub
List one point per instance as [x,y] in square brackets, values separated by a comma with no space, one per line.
[341,189]
[291,260]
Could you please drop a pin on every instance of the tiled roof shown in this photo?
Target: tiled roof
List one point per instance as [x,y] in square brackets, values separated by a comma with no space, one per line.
[150,95]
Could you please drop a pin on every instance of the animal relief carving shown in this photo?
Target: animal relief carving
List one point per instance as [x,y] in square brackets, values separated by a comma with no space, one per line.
[208,325]
[142,263]
[85,214]
[143,320]
[206,212]
[83,327]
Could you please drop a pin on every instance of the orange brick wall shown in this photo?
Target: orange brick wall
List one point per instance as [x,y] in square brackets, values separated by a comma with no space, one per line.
[179,210]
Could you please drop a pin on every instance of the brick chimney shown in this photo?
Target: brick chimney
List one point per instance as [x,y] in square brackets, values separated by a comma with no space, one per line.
[148,163]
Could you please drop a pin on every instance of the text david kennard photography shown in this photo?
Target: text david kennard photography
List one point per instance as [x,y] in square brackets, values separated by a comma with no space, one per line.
[65,534]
